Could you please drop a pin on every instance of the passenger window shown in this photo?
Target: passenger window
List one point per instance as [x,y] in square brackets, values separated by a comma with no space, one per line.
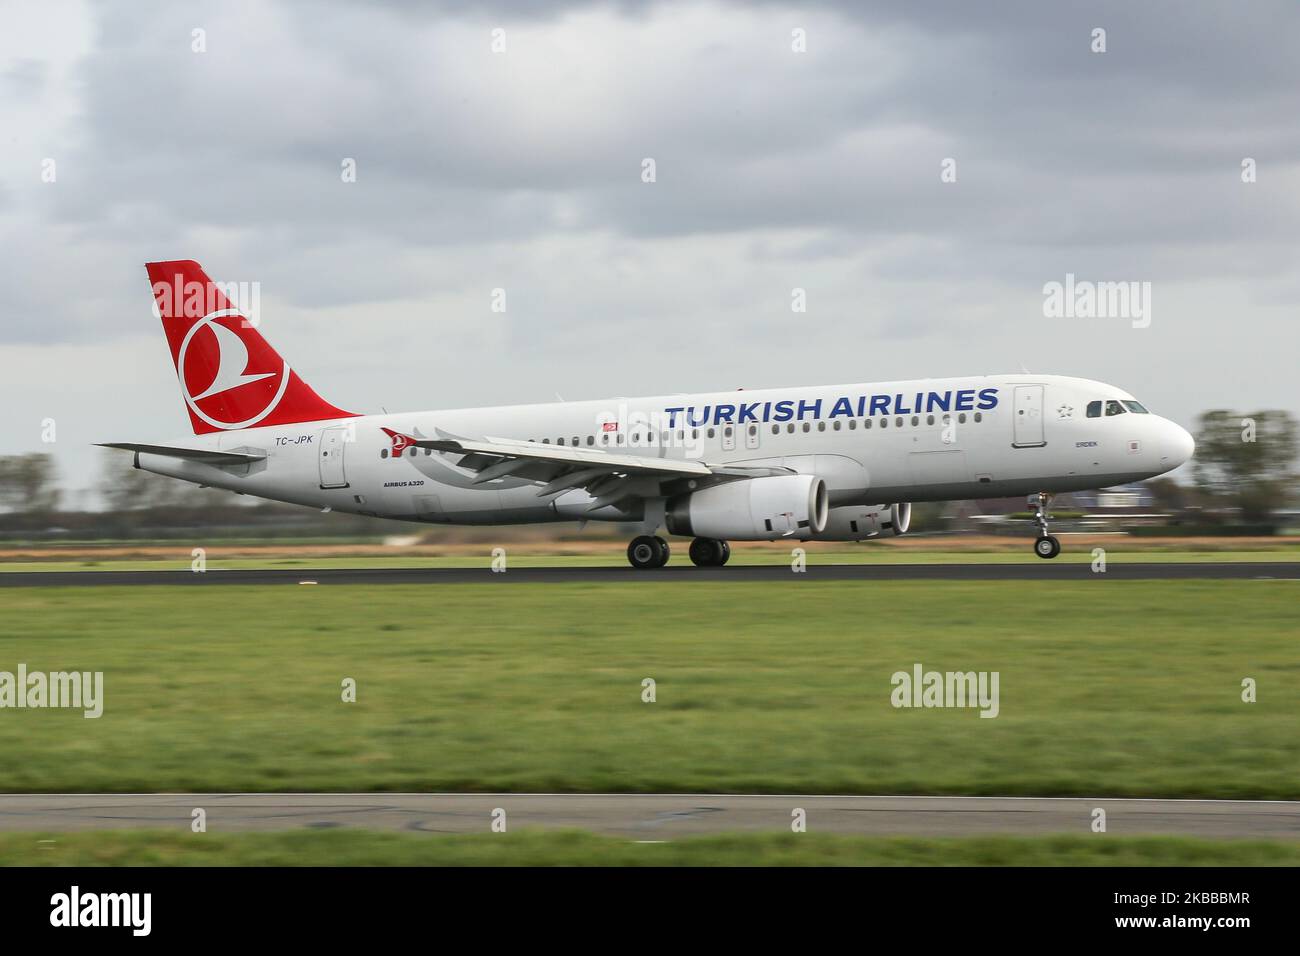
[979,416]
[837,424]
[961,419]
[1114,408]
[711,432]
[898,422]
[727,431]
[853,424]
[821,426]
[807,427]
[1094,409]
[884,423]
[790,428]
[929,419]
[916,420]
[866,423]
[383,453]
[776,429]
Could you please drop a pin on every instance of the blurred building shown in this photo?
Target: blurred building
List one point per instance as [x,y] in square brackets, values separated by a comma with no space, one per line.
[1102,510]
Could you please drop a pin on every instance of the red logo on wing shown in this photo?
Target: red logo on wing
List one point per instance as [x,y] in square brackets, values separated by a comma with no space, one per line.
[400,442]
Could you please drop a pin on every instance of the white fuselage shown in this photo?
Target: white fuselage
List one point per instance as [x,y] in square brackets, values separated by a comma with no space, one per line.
[976,437]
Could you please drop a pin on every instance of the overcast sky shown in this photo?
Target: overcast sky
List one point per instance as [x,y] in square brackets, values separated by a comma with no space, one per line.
[522,170]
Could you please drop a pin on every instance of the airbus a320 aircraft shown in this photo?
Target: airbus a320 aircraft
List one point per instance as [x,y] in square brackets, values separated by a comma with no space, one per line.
[823,463]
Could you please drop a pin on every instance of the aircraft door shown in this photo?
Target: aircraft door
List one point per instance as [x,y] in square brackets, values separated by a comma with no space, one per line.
[332,442]
[1028,414]
[751,436]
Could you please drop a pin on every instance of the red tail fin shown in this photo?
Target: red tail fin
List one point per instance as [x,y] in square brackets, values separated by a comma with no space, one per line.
[230,376]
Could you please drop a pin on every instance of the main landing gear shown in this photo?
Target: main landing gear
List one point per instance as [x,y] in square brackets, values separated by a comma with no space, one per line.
[651,551]
[648,551]
[709,552]
[1045,546]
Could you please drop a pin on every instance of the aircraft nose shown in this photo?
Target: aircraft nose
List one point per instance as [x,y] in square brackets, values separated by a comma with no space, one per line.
[1178,446]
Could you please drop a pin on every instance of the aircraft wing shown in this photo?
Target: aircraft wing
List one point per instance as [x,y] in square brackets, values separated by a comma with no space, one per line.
[560,454]
[201,455]
[609,477]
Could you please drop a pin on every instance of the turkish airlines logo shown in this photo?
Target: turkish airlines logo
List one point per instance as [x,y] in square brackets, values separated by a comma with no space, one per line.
[400,442]
[232,370]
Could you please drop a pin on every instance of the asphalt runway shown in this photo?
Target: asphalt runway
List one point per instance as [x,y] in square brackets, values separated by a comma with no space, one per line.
[1038,571]
[652,817]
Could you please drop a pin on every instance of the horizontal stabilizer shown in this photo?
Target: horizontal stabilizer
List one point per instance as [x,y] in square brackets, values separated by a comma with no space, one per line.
[201,455]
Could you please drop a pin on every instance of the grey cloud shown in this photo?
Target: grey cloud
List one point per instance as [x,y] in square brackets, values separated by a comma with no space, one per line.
[775,170]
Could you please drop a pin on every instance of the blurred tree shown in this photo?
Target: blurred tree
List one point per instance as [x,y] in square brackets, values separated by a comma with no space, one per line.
[123,487]
[1246,461]
[27,484]
[1168,495]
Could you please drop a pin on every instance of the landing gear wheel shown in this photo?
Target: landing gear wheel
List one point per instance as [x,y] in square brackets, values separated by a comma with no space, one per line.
[647,551]
[709,552]
[1045,546]
[643,552]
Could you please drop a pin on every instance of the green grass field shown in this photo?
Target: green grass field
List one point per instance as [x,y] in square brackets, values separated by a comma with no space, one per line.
[1107,687]
[614,557]
[576,848]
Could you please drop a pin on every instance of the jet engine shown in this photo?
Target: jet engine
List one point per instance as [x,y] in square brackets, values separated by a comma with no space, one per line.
[900,518]
[859,522]
[752,509]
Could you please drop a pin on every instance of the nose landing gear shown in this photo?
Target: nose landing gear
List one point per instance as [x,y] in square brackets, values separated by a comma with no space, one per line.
[648,551]
[1046,545]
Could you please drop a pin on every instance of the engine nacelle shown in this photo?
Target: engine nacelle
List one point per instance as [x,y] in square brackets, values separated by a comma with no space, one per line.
[860,522]
[854,522]
[900,517]
[752,509]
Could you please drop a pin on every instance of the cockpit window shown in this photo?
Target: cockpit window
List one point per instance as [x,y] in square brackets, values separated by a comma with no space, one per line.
[1094,409]
[1135,407]
[1114,408]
